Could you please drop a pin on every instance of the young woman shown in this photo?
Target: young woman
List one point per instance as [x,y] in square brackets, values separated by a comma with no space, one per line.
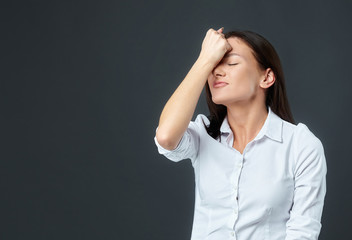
[258,175]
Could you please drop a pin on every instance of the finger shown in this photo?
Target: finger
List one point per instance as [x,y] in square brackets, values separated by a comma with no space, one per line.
[210,31]
[220,30]
[228,47]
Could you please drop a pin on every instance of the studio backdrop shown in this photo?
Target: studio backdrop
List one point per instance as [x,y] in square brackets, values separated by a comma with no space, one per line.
[82,87]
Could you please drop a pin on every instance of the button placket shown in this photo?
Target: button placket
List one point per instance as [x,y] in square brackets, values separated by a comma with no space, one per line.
[233,235]
[237,173]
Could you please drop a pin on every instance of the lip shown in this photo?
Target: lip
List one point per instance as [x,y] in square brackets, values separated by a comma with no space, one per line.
[219,84]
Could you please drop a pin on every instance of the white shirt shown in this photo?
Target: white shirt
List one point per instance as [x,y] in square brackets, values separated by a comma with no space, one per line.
[275,190]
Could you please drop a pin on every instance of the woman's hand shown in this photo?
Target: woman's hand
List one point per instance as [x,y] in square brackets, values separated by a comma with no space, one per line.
[214,47]
[179,109]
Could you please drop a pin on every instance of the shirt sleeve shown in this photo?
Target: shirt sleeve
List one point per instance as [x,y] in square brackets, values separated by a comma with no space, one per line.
[310,187]
[188,146]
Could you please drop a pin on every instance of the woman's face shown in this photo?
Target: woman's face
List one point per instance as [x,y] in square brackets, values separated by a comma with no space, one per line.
[237,76]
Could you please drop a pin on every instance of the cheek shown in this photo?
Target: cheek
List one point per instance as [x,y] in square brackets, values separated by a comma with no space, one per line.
[210,80]
[243,87]
[251,76]
[243,81]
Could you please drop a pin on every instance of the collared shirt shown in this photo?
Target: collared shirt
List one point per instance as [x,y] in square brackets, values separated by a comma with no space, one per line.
[275,190]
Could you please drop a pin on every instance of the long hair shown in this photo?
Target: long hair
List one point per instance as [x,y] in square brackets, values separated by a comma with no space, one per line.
[275,96]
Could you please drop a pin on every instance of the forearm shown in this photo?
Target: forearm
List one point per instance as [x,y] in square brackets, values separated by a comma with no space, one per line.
[179,109]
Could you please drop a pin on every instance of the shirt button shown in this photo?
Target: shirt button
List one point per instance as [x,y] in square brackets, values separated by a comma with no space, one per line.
[232,234]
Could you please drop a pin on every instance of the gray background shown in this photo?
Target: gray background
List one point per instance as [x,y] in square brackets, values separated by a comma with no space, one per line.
[82,87]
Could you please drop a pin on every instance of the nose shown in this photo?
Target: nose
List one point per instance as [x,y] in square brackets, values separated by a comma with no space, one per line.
[218,71]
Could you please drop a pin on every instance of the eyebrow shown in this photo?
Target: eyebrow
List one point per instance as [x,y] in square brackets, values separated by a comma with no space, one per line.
[230,54]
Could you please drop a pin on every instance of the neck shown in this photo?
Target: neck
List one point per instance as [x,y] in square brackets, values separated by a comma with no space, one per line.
[246,121]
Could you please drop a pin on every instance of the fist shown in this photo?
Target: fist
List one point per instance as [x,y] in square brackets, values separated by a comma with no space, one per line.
[214,46]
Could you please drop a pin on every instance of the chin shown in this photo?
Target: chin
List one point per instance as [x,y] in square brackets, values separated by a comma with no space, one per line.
[227,101]
[220,101]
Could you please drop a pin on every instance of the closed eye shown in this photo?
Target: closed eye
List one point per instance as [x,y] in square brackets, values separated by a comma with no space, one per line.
[232,64]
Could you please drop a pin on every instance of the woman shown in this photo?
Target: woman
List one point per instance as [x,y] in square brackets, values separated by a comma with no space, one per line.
[257,174]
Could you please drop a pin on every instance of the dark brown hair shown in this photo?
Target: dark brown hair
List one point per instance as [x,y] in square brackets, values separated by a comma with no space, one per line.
[276,97]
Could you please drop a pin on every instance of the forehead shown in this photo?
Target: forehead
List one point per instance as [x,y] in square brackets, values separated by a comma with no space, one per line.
[239,47]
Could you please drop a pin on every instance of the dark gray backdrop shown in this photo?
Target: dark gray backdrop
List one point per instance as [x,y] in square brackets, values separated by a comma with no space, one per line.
[83,84]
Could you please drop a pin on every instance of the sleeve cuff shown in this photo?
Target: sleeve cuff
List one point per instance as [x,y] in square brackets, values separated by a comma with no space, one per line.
[162,150]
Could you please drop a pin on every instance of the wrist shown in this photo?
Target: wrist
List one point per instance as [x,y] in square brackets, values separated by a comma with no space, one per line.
[205,63]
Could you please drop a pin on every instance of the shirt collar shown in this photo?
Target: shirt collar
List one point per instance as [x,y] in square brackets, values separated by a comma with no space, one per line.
[272,127]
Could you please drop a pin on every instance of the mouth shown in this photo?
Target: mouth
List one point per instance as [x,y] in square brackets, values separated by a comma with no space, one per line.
[219,84]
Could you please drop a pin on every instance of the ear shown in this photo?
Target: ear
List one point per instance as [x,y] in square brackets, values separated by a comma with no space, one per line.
[269,78]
